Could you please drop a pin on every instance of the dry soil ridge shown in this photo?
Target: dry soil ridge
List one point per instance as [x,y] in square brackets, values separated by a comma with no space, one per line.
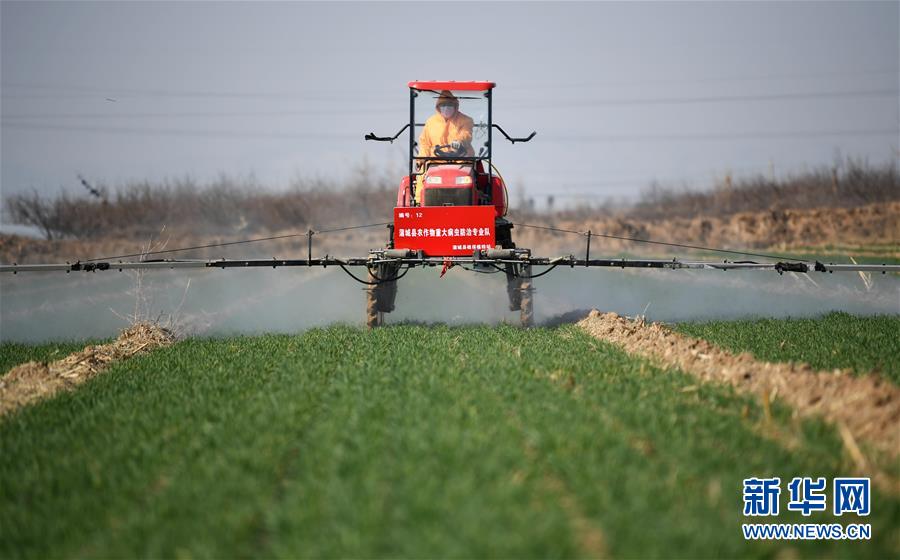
[865,408]
[33,381]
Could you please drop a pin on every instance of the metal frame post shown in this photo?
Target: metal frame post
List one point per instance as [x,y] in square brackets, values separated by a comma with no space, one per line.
[587,251]
[412,143]
[490,145]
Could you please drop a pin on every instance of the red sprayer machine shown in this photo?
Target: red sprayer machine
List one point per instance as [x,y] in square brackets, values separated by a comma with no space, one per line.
[451,211]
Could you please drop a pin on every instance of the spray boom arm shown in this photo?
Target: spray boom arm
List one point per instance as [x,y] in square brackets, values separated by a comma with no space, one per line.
[514,140]
[371,136]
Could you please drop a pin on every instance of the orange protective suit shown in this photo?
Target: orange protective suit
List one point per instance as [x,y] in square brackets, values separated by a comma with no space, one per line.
[439,130]
[443,131]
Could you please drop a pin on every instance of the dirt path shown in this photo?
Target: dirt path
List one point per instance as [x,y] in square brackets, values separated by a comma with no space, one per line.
[33,381]
[864,408]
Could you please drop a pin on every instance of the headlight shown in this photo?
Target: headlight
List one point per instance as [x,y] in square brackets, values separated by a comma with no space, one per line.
[433,180]
[466,180]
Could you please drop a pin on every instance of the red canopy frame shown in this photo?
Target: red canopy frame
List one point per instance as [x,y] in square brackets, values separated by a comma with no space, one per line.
[452,85]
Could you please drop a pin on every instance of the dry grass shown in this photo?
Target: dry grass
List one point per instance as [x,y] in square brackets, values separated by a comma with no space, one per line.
[242,206]
[853,229]
[33,381]
[227,206]
[874,224]
[847,184]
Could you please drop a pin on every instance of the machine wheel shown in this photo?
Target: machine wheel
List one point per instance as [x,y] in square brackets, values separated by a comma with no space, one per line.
[513,288]
[380,297]
[374,318]
[526,289]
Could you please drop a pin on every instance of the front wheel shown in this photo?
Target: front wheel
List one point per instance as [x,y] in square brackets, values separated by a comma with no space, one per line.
[526,289]
[380,297]
[520,289]
[374,317]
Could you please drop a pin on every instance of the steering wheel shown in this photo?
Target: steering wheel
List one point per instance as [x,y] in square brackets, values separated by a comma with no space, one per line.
[447,150]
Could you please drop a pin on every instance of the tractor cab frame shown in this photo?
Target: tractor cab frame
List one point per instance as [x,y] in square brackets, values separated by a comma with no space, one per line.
[452,202]
[463,178]
[444,165]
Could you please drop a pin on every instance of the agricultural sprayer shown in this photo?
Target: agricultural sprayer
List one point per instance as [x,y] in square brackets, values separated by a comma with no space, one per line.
[451,211]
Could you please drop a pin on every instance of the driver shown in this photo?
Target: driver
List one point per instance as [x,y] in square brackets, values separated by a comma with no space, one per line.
[447,127]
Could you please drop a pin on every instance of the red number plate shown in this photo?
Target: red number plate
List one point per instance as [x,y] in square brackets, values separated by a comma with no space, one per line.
[444,231]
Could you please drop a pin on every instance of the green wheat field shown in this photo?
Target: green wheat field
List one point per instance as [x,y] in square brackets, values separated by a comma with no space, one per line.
[416,441]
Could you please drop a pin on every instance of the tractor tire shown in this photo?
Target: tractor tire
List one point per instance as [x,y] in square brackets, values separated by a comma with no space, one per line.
[513,288]
[387,291]
[374,317]
[526,289]
[380,297]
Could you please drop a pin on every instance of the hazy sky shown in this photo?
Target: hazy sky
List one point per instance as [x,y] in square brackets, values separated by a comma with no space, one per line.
[620,94]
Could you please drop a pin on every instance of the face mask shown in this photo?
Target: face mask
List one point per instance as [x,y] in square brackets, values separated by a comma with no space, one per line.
[447,111]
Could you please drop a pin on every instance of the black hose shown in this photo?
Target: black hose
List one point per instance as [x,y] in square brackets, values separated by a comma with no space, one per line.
[538,275]
[377,281]
[464,267]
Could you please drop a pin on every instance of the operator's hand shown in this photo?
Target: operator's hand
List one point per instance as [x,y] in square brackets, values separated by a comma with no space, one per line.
[455,145]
